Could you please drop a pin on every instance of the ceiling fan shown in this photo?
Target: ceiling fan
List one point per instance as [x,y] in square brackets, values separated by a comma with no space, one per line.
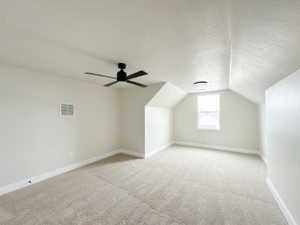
[122,76]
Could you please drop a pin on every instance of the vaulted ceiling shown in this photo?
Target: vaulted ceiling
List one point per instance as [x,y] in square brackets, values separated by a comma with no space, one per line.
[238,44]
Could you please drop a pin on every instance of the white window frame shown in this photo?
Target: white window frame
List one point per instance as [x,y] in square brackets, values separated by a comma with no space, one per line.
[217,111]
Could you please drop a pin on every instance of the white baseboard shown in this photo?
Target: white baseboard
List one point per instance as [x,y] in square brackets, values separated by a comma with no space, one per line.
[290,219]
[132,153]
[221,148]
[264,159]
[32,180]
[35,179]
[149,154]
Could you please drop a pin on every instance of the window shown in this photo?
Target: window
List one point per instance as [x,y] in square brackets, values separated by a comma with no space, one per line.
[208,112]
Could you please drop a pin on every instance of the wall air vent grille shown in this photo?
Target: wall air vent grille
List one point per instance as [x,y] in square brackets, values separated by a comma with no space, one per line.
[67,110]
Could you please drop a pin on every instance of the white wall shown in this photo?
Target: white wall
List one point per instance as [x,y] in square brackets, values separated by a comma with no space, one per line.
[35,139]
[283,140]
[239,123]
[159,128]
[159,118]
[133,101]
[147,117]
[262,131]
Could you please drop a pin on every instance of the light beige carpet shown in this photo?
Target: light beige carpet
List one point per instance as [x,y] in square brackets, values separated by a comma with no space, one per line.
[179,186]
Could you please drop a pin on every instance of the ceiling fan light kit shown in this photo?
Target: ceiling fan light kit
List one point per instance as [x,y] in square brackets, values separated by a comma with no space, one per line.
[122,76]
[202,84]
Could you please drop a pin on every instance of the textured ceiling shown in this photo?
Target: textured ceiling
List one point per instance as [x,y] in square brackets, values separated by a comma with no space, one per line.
[237,44]
[265,40]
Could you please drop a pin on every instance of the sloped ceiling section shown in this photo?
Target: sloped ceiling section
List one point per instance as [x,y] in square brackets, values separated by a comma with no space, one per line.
[168,96]
[265,38]
[238,44]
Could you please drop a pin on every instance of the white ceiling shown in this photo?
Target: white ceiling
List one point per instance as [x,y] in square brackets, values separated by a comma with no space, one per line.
[237,44]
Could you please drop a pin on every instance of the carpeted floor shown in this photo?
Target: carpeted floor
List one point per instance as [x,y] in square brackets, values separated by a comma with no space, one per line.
[179,186]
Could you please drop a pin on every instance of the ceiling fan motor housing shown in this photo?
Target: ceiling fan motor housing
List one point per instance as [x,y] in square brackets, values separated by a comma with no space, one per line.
[121,75]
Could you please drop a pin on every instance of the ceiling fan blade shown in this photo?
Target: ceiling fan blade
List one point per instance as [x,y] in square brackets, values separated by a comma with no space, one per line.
[100,75]
[109,84]
[137,74]
[135,83]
